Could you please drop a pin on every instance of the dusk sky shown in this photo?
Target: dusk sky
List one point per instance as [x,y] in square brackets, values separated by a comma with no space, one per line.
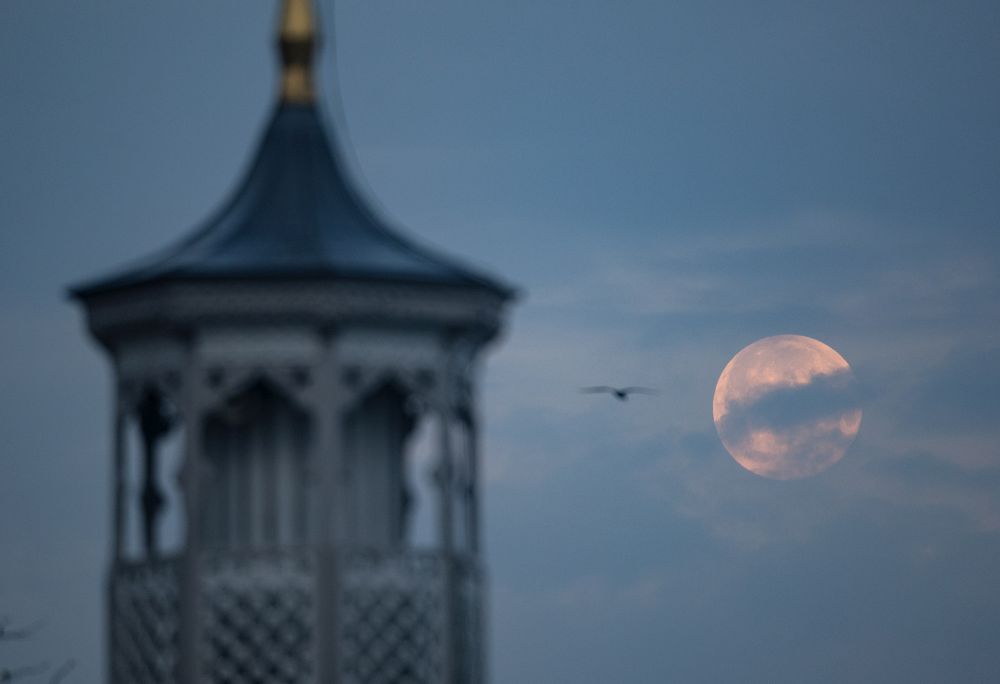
[666,182]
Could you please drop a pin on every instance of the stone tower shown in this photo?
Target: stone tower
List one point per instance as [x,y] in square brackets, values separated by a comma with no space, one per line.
[290,350]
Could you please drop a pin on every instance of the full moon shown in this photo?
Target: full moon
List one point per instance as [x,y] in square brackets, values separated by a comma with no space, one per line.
[786,407]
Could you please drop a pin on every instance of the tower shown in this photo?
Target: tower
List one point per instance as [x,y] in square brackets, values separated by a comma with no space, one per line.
[290,351]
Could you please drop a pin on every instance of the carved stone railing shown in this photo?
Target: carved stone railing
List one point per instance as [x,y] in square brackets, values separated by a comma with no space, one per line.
[145,622]
[257,619]
[392,619]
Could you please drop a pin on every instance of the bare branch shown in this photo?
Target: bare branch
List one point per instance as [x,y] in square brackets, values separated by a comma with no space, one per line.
[10,675]
[63,671]
[8,634]
[18,673]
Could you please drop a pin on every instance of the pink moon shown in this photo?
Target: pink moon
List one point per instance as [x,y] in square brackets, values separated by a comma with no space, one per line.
[786,407]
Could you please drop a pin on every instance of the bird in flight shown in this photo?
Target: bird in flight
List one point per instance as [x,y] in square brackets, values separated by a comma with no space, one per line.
[619,393]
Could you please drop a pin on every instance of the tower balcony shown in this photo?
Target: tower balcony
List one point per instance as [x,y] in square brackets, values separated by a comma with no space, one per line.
[297,617]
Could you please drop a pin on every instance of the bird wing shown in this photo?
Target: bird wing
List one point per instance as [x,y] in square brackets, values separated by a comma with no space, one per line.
[599,389]
[639,390]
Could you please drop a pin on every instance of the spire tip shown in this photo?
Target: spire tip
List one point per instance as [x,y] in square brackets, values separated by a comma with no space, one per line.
[297,40]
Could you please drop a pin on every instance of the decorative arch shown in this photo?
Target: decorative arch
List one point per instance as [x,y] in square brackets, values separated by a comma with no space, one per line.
[256,453]
[377,431]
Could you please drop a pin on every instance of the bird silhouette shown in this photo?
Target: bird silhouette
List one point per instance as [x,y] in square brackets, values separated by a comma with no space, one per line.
[619,393]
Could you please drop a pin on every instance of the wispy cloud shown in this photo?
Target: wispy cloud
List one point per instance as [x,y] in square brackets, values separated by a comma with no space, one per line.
[618,321]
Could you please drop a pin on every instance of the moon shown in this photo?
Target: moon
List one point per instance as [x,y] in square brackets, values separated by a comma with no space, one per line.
[786,407]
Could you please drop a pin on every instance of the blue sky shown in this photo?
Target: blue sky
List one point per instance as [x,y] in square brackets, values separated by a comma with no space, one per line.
[668,182]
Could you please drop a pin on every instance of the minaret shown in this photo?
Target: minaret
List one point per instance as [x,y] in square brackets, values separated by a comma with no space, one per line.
[292,347]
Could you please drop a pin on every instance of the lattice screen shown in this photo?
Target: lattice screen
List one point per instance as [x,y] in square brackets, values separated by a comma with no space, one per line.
[146,623]
[258,620]
[392,619]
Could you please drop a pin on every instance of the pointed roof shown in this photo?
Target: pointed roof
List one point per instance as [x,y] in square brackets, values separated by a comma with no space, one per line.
[296,214]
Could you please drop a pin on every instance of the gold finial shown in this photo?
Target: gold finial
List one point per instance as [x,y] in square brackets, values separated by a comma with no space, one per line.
[297,43]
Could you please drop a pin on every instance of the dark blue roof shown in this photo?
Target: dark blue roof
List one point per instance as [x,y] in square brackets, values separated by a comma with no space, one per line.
[296,214]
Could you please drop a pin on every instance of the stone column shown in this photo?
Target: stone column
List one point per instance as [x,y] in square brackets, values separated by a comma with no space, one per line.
[443,404]
[120,421]
[471,490]
[192,406]
[120,413]
[326,506]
